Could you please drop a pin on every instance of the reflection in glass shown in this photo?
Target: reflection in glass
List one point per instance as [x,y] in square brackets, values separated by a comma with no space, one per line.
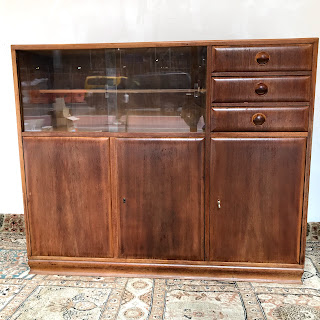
[114,90]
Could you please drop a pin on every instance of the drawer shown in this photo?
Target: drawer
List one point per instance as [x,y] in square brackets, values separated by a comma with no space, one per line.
[260,119]
[264,58]
[255,89]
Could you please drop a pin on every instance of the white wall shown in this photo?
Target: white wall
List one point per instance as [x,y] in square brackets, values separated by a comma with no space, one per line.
[71,21]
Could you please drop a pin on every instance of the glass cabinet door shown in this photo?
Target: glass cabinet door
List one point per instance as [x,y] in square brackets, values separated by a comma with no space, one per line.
[114,90]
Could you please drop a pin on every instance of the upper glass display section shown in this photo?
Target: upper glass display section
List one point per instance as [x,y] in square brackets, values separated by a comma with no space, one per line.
[114,90]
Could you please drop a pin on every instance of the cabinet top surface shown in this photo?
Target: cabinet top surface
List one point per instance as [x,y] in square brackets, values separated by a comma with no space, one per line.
[246,42]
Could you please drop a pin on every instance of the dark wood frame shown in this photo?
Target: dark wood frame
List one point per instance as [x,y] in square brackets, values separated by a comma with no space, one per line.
[247,271]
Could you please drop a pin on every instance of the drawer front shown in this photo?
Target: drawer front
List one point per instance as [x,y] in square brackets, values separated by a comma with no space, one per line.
[260,119]
[264,89]
[265,58]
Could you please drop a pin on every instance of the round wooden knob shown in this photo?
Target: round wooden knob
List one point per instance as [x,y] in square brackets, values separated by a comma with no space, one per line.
[261,89]
[258,119]
[262,58]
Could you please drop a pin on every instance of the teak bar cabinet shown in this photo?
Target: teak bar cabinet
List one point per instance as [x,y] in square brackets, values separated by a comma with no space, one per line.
[167,158]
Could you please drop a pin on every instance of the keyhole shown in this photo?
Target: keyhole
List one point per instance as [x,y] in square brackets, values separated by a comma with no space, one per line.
[124,200]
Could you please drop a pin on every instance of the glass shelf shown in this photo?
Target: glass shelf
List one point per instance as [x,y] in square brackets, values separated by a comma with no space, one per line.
[114,90]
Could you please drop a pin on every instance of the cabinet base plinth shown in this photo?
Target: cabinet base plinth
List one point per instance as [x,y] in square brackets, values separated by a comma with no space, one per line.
[225,271]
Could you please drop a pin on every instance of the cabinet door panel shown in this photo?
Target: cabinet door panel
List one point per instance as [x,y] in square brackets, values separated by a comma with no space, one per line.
[259,182]
[160,198]
[68,196]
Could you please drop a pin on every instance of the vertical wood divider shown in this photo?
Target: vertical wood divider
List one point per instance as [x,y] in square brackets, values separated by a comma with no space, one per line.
[114,197]
[207,155]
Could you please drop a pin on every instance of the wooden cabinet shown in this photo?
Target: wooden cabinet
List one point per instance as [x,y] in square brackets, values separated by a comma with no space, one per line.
[167,159]
[160,197]
[256,199]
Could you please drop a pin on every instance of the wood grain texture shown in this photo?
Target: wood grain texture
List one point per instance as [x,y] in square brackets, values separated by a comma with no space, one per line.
[243,42]
[261,73]
[113,134]
[308,154]
[279,274]
[261,134]
[259,183]
[21,159]
[207,155]
[276,119]
[256,104]
[68,189]
[265,178]
[243,89]
[278,58]
[114,198]
[160,198]
[171,262]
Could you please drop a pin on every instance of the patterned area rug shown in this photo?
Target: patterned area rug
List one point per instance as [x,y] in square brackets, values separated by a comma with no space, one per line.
[54,297]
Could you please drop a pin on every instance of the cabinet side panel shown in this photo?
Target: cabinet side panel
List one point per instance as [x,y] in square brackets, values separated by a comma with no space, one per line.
[18,115]
[68,196]
[259,183]
[308,155]
[161,198]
